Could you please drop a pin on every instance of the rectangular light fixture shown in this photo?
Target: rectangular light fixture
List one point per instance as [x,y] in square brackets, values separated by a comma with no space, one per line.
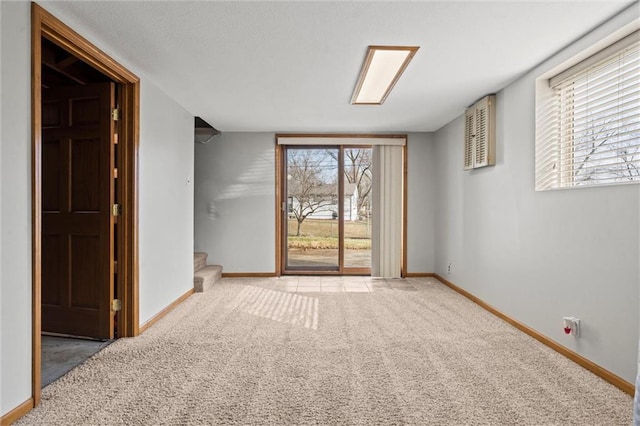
[381,69]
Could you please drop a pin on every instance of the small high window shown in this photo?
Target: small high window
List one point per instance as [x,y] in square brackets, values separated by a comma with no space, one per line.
[588,120]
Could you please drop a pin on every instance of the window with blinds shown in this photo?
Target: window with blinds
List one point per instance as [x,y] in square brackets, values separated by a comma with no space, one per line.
[589,132]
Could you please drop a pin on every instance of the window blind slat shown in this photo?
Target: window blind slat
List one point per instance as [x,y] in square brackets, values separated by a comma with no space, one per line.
[616,70]
[594,99]
[613,114]
[593,91]
[628,139]
[583,106]
[605,145]
[608,169]
[632,158]
[611,181]
[604,130]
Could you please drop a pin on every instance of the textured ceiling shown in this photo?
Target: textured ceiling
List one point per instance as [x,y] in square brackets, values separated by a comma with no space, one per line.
[292,66]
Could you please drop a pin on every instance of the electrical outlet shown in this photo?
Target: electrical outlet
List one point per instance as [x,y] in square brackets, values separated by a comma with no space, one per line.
[449,268]
[571,326]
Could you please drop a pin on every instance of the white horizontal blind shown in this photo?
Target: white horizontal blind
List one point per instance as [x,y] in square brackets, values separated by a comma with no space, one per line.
[591,133]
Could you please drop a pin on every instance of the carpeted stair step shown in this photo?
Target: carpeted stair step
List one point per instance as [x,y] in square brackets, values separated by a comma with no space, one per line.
[199,261]
[206,277]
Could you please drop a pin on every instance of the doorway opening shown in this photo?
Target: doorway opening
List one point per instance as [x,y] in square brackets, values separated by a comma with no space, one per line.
[85,110]
[327,209]
[78,190]
[78,229]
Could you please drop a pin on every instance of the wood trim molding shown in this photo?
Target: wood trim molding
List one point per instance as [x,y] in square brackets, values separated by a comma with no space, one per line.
[36,201]
[249,274]
[573,356]
[278,212]
[128,284]
[341,217]
[17,412]
[165,311]
[405,213]
[419,274]
[59,33]
[45,25]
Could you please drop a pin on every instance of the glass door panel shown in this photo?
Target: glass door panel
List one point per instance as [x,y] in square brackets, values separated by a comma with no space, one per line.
[357,207]
[312,209]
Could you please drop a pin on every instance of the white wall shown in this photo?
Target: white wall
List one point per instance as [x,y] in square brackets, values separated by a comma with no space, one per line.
[420,202]
[166,201]
[539,256]
[15,143]
[235,201]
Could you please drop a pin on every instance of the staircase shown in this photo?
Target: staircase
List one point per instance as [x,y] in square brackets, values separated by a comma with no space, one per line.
[204,276]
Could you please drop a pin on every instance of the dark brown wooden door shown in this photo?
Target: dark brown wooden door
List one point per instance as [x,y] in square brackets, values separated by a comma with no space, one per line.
[77,220]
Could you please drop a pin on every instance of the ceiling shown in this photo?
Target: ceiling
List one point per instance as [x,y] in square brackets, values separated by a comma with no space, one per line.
[292,66]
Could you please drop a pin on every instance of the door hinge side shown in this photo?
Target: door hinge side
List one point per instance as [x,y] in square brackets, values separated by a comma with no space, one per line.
[115,114]
[116,305]
[116,210]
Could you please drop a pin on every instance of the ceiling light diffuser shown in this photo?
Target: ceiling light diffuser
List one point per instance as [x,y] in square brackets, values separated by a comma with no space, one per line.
[381,69]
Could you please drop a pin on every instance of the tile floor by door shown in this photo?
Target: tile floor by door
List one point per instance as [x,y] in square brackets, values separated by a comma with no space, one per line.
[61,354]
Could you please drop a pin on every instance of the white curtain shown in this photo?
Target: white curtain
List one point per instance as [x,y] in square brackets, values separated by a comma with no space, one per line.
[386,238]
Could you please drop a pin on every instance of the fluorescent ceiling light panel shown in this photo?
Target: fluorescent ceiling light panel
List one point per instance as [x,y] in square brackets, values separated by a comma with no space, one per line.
[381,69]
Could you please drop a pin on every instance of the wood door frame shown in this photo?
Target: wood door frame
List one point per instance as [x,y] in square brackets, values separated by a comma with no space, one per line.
[44,24]
[280,188]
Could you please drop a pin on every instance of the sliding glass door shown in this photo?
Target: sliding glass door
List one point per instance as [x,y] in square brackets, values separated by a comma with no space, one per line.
[357,207]
[327,209]
[312,201]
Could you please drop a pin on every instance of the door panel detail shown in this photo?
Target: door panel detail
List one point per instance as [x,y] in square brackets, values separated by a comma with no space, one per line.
[77,226]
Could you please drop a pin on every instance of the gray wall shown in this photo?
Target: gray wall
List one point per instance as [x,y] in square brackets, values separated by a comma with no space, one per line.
[235,202]
[166,202]
[539,256]
[420,202]
[15,267]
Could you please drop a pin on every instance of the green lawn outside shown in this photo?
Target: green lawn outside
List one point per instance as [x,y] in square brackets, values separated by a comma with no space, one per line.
[323,234]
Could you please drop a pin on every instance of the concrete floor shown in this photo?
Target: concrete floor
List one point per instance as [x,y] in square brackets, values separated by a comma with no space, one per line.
[61,354]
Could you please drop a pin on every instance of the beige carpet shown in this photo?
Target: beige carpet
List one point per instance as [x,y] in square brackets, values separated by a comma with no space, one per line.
[246,353]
